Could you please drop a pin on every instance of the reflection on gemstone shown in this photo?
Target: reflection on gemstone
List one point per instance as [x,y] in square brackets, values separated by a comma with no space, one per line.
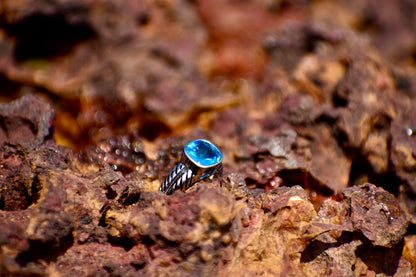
[203,153]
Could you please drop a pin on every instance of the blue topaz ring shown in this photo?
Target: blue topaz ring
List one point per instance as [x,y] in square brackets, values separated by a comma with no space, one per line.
[201,159]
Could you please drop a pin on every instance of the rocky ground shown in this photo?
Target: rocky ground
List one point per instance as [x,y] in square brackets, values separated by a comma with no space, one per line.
[311,103]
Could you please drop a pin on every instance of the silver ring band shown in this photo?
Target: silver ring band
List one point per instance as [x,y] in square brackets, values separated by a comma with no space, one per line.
[180,177]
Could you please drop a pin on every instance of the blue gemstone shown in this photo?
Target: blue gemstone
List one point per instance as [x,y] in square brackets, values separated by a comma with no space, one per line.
[203,153]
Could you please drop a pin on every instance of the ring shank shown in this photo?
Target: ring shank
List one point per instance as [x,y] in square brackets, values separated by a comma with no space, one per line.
[179,178]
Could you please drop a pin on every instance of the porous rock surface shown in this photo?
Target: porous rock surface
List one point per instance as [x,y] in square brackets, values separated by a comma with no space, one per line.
[310,102]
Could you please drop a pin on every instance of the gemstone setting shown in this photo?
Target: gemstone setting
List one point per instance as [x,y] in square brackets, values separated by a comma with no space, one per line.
[203,153]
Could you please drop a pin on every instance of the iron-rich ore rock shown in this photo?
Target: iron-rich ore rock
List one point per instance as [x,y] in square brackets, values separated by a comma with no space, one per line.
[376,213]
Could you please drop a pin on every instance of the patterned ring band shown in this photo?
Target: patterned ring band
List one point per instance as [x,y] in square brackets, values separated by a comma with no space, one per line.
[200,159]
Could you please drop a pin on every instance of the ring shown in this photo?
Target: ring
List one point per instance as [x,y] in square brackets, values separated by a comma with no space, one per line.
[201,159]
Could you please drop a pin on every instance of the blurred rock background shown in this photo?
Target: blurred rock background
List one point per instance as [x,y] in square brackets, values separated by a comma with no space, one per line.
[311,102]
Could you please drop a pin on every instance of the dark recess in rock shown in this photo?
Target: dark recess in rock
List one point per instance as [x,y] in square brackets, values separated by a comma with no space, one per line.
[43,36]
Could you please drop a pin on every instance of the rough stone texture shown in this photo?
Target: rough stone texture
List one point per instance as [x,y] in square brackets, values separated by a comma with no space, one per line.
[25,126]
[377,214]
[404,147]
[310,102]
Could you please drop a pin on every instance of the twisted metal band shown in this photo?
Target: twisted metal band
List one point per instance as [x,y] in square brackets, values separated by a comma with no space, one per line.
[179,178]
[185,174]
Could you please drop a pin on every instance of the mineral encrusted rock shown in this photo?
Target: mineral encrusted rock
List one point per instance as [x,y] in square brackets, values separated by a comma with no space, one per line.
[59,215]
[310,102]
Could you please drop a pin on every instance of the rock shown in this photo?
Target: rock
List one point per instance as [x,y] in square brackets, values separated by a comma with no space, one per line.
[17,190]
[404,146]
[310,150]
[305,99]
[184,220]
[235,183]
[338,259]
[376,213]
[28,127]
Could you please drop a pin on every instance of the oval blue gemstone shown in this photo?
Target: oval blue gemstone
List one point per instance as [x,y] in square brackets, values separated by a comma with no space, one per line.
[203,153]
